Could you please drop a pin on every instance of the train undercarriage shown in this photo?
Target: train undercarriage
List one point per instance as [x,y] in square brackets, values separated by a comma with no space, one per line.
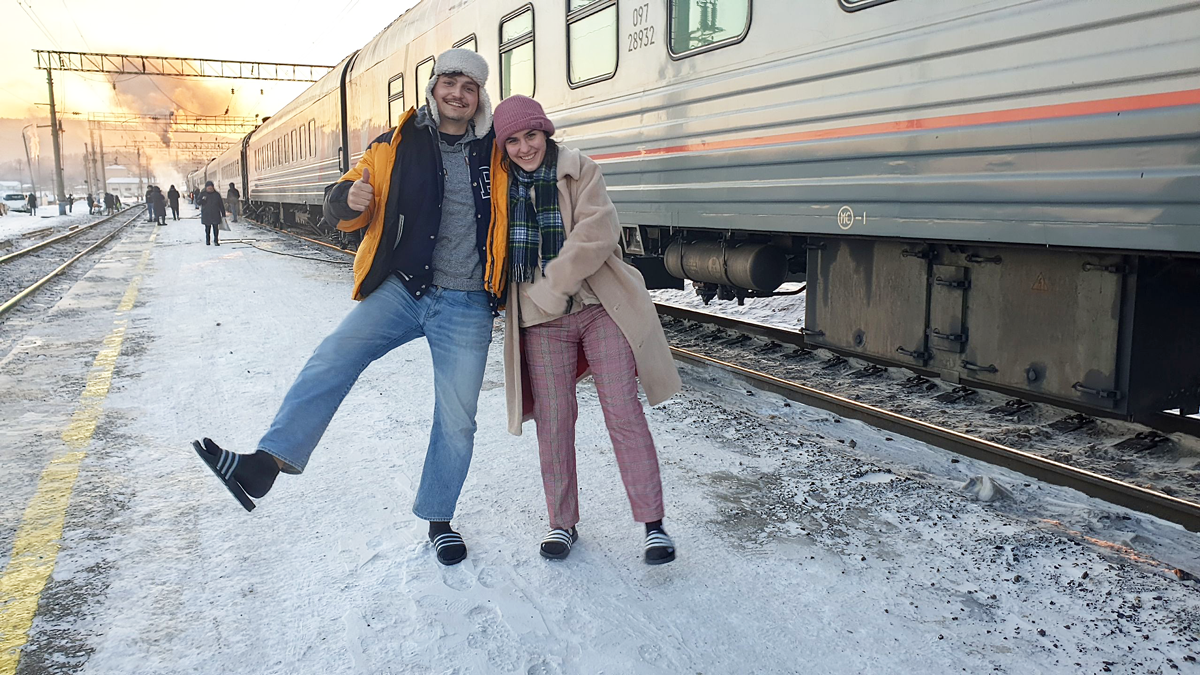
[1109,333]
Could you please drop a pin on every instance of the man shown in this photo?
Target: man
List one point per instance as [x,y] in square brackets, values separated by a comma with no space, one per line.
[108,203]
[233,196]
[160,206]
[31,200]
[150,204]
[70,203]
[173,199]
[212,210]
[91,202]
[430,174]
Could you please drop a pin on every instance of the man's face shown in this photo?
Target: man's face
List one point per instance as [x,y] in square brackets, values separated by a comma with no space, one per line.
[210,189]
[457,97]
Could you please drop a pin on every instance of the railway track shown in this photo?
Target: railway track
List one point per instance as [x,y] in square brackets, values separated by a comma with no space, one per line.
[1108,488]
[25,271]
[751,369]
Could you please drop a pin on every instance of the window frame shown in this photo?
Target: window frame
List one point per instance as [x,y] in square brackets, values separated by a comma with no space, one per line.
[295,145]
[518,42]
[312,134]
[579,15]
[470,38]
[857,5]
[392,99]
[417,79]
[728,42]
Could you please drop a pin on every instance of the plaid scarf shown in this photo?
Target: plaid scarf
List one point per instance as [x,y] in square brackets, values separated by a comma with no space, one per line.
[533,221]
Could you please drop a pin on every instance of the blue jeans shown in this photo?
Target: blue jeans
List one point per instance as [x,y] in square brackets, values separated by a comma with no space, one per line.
[458,326]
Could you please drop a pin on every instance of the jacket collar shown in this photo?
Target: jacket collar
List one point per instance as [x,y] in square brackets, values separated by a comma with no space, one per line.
[569,162]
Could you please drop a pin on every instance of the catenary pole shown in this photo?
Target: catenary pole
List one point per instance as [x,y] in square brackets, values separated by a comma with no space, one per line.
[61,195]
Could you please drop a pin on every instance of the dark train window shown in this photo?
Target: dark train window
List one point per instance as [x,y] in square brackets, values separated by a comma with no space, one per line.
[395,98]
[701,25]
[424,74]
[591,41]
[855,5]
[517,53]
[468,42]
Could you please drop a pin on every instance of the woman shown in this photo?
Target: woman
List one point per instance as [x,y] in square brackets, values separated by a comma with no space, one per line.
[573,306]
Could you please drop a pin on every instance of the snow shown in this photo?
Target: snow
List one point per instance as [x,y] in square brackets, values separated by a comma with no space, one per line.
[785,311]
[17,226]
[807,543]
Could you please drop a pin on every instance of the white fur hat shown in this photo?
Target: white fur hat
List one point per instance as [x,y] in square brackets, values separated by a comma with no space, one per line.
[473,66]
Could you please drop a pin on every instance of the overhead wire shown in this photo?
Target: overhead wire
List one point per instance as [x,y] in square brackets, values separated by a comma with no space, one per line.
[37,22]
[76,23]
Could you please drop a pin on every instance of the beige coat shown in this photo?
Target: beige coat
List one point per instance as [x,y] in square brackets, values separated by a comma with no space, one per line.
[590,252]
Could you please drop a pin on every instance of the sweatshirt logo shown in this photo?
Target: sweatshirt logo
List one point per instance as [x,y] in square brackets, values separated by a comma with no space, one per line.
[485,182]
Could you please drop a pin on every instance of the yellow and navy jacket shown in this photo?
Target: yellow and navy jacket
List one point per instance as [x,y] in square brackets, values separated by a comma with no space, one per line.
[404,217]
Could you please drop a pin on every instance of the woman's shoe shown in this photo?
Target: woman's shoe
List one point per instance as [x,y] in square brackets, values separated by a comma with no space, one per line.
[659,547]
[556,545]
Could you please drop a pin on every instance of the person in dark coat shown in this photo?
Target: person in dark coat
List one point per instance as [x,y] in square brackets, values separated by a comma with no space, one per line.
[160,206]
[173,199]
[91,202]
[212,210]
[70,203]
[234,198]
[108,203]
[117,206]
[31,200]
[150,204]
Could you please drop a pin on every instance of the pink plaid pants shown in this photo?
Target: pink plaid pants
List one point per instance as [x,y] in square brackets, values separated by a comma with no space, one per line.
[551,353]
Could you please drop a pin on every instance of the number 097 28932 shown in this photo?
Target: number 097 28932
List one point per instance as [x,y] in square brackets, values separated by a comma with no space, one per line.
[643,34]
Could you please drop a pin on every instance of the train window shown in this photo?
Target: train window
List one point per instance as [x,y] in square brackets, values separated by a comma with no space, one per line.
[855,5]
[312,135]
[395,98]
[591,41]
[424,74]
[468,43]
[701,25]
[292,156]
[517,53]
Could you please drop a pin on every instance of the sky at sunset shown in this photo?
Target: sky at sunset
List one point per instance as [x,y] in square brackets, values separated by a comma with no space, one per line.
[297,31]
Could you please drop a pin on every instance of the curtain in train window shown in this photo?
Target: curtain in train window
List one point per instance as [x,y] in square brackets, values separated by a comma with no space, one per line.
[516,54]
[424,73]
[591,40]
[395,99]
[698,24]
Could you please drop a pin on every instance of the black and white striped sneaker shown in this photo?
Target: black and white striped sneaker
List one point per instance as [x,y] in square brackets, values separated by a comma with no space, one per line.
[224,463]
[659,547]
[450,547]
[556,545]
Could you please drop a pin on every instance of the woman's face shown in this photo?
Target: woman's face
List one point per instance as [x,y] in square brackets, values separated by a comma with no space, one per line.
[527,148]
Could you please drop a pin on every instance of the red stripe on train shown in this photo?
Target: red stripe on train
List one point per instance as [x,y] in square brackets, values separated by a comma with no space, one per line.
[1045,112]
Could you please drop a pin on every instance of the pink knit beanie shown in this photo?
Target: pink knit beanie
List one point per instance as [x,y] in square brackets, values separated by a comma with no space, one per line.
[518,113]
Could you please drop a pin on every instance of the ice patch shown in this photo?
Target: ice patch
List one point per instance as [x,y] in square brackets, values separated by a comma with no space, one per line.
[984,489]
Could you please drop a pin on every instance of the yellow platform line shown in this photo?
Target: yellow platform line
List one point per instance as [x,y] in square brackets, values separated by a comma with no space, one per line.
[35,550]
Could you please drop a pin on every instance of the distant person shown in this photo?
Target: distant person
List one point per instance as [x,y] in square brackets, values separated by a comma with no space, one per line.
[425,282]
[91,202]
[234,206]
[150,204]
[160,206]
[117,205]
[108,203]
[31,200]
[173,199]
[212,210]
[70,203]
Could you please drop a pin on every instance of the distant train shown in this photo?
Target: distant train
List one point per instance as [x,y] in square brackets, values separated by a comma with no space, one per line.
[1004,192]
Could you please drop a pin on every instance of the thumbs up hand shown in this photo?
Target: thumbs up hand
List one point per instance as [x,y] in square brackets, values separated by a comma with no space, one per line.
[361,193]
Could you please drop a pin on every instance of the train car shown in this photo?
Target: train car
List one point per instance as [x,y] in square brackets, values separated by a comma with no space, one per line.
[1003,192]
[290,159]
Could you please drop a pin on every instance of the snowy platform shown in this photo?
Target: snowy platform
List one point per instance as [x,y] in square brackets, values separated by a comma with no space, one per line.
[808,544]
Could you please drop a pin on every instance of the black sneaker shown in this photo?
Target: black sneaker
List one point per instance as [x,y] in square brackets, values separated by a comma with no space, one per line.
[556,545]
[659,547]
